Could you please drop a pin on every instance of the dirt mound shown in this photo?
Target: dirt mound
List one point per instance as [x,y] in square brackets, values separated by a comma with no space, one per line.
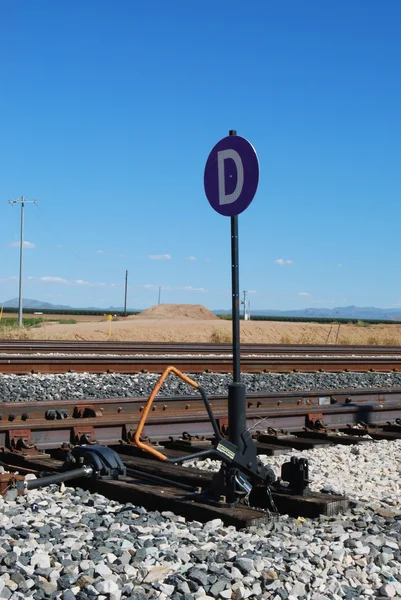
[177,311]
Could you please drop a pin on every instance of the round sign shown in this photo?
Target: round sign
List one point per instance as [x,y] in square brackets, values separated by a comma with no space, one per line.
[231,175]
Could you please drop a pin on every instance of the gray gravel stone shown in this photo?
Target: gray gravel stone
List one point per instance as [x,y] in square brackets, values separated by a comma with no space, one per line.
[17,388]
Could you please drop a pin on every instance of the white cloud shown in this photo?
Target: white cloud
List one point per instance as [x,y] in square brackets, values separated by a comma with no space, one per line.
[107,253]
[24,244]
[47,279]
[303,294]
[339,265]
[252,292]
[282,261]
[7,279]
[189,288]
[208,260]
[191,258]
[151,286]
[79,282]
[159,256]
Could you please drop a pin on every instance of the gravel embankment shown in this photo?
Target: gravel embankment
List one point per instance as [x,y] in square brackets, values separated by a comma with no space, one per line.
[19,388]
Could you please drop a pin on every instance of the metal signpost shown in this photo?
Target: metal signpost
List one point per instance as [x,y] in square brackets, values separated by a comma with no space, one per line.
[231,179]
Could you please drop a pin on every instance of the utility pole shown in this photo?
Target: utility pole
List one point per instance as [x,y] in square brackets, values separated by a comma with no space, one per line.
[21,201]
[125,296]
[160,287]
[243,302]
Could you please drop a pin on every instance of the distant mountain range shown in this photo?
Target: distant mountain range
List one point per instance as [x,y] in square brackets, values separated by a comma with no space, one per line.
[39,305]
[28,303]
[347,312]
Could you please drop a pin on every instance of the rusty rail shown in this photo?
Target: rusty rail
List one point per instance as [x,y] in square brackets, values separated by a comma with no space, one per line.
[31,426]
[79,347]
[23,364]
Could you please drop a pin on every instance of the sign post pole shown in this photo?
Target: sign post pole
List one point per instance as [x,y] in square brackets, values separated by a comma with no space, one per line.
[235,295]
[236,390]
[231,179]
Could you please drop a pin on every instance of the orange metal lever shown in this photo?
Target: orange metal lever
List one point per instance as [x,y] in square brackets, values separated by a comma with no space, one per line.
[148,406]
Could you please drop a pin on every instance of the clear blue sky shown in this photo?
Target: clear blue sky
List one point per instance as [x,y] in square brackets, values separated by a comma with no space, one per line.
[110,109]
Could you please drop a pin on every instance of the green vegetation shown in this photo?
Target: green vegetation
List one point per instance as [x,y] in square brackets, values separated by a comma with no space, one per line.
[358,322]
[364,323]
[65,311]
[67,321]
[13,323]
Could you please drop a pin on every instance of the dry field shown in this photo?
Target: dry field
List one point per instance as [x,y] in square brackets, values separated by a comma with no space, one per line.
[194,323]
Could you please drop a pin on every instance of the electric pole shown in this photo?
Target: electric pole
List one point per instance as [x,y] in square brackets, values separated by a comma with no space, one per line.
[125,296]
[21,201]
[160,287]
[243,302]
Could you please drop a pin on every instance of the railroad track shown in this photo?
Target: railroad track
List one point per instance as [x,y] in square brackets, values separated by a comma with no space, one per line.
[79,347]
[20,357]
[38,436]
[183,420]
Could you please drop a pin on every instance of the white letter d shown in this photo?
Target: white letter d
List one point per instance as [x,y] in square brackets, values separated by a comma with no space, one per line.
[221,157]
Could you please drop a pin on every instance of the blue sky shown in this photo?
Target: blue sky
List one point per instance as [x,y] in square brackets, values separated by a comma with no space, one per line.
[110,109]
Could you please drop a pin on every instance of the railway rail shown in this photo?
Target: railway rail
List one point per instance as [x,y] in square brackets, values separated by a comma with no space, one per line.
[183,419]
[36,437]
[20,357]
[80,347]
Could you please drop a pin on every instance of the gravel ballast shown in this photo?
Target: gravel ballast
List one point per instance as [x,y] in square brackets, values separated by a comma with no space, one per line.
[63,544]
[66,544]
[23,388]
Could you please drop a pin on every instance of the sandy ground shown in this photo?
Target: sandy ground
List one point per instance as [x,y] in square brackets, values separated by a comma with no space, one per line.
[195,323]
[195,330]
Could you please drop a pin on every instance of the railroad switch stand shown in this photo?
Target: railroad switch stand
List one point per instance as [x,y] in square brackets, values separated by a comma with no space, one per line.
[241,471]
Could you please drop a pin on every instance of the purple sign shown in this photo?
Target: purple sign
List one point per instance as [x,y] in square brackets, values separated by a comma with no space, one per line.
[231,175]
